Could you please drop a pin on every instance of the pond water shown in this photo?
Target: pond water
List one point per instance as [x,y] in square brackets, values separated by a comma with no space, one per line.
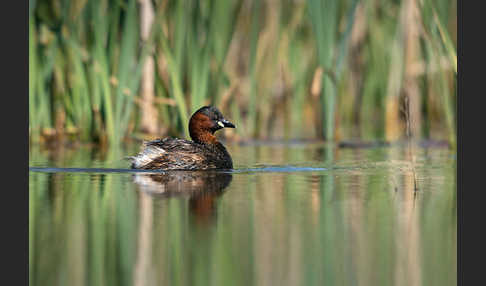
[289,214]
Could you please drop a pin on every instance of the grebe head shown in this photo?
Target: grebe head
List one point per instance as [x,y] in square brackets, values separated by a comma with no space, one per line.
[204,122]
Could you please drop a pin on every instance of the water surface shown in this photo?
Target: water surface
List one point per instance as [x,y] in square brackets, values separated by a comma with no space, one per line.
[289,214]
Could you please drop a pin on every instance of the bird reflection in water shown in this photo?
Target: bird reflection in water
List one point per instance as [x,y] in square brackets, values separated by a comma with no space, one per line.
[203,188]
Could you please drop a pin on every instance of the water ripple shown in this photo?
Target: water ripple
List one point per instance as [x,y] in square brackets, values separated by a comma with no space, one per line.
[272,169]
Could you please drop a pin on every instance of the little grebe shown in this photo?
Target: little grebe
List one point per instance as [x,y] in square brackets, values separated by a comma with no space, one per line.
[202,153]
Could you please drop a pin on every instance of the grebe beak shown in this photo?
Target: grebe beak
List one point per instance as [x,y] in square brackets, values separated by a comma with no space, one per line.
[225,123]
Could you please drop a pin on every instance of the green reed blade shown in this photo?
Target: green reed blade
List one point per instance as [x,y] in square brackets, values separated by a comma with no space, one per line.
[446,40]
[33,119]
[125,67]
[344,40]
[323,15]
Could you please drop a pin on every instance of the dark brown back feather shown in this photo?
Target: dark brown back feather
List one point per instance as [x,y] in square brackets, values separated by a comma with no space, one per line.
[181,154]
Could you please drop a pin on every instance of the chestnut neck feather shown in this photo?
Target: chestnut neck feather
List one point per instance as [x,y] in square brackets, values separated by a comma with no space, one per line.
[200,129]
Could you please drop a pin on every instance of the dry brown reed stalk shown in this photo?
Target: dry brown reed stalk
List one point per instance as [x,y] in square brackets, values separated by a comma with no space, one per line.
[228,95]
[315,91]
[148,112]
[410,145]
[356,75]
[410,85]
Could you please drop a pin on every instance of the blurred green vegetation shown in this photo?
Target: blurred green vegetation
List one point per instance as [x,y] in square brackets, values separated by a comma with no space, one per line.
[279,69]
[359,220]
